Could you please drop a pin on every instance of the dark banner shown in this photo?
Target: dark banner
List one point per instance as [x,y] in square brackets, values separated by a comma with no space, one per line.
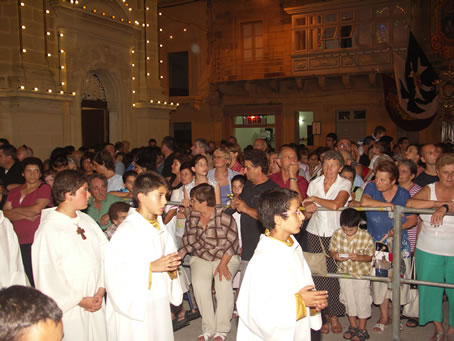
[396,113]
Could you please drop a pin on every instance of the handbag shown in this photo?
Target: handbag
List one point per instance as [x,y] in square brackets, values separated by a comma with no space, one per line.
[411,309]
[317,261]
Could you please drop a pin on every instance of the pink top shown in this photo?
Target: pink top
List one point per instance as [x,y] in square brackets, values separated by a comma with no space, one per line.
[25,229]
[237,167]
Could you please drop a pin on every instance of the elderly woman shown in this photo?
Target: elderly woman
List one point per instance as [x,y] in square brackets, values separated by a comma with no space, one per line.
[23,207]
[330,191]
[434,247]
[407,173]
[211,237]
[221,173]
[385,192]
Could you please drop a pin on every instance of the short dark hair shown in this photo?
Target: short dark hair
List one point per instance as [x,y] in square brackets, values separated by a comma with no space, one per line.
[117,207]
[22,307]
[388,167]
[32,161]
[187,165]
[147,182]
[182,157]
[9,150]
[349,169]
[350,217]
[58,161]
[67,181]
[402,139]
[105,159]
[169,142]
[146,158]
[3,140]
[379,129]
[239,177]
[258,159]
[332,135]
[86,156]
[197,158]
[152,140]
[118,146]
[272,202]
[204,192]
[368,140]
[129,173]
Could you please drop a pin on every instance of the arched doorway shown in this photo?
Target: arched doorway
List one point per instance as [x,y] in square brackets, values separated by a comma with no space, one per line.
[95,114]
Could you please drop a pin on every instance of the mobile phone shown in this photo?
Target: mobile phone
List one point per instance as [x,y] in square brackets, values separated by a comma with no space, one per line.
[343,255]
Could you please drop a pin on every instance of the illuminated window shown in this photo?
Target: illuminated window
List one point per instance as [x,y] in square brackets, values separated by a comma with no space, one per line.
[252,37]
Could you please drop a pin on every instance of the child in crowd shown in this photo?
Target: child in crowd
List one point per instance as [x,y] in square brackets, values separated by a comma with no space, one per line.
[49,177]
[27,314]
[67,259]
[277,290]
[140,269]
[118,212]
[349,173]
[353,249]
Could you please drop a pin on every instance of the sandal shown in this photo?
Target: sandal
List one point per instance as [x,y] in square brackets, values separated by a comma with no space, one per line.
[325,328]
[178,324]
[437,337]
[379,328]
[205,337]
[192,315]
[350,332]
[219,336]
[412,323]
[360,335]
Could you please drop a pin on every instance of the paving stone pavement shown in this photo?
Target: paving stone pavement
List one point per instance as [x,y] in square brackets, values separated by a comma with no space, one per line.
[191,332]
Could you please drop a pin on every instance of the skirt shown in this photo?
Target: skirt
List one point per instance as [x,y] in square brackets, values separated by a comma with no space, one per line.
[312,244]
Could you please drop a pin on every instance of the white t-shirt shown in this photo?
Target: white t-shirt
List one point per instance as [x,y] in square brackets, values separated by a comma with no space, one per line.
[115,183]
[324,223]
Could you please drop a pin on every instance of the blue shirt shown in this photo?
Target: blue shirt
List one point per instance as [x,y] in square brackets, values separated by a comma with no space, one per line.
[379,223]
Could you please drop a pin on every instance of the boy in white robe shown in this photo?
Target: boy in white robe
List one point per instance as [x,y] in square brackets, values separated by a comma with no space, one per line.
[140,267]
[277,294]
[12,269]
[67,257]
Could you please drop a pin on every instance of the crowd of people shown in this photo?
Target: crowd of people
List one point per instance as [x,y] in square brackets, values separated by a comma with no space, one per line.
[104,232]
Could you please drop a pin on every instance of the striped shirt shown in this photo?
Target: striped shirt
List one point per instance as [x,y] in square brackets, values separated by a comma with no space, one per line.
[361,244]
[219,237]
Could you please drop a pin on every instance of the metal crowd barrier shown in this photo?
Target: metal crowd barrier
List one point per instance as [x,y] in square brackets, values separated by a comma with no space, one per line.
[396,281]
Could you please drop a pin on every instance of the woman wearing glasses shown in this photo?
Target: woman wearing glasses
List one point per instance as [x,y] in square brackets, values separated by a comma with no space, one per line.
[211,237]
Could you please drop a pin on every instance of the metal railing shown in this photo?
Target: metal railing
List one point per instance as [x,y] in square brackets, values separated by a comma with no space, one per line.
[395,281]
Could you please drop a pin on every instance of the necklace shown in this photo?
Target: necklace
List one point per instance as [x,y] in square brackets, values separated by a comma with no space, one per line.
[289,241]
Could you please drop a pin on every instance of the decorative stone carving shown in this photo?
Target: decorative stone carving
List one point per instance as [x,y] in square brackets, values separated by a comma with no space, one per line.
[93,89]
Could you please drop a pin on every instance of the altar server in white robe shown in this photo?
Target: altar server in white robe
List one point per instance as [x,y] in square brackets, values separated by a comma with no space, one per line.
[140,268]
[11,267]
[68,258]
[277,300]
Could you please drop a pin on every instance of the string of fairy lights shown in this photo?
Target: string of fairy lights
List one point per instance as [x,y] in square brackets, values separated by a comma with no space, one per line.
[61,53]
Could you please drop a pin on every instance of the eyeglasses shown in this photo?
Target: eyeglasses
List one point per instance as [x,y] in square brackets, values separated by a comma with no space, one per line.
[297,212]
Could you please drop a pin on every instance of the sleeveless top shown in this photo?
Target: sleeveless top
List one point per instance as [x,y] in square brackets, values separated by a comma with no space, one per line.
[436,240]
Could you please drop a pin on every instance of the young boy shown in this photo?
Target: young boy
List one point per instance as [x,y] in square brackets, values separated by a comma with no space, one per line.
[27,314]
[353,249]
[277,291]
[118,212]
[140,263]
[67,259]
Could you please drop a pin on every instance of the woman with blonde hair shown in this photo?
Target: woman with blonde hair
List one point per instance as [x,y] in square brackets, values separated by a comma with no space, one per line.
[221,174]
